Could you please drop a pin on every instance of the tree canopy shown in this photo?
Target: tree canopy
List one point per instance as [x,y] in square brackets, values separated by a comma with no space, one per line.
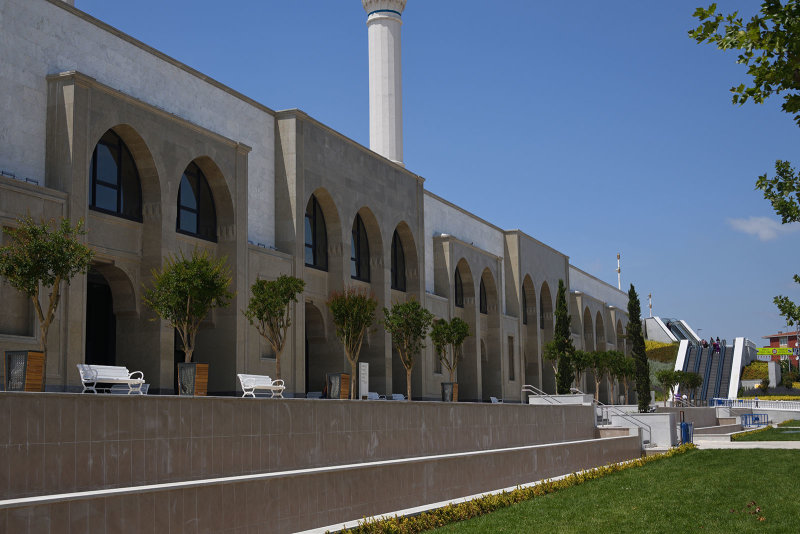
[185,290]
[408,324]
[353,311]
[768,43]
[448,339]
[635,336]
[269,310]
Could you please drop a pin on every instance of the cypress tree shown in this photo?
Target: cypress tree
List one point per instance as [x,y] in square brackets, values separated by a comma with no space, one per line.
[562,340]
[636,338]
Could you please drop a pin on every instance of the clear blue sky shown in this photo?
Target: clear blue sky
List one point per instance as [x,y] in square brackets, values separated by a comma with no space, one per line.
[596,127]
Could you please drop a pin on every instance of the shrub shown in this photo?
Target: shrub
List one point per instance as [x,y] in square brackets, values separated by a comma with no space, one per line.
[661,352]
[755,371]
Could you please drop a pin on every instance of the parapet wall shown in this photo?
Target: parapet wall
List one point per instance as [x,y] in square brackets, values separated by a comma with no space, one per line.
[60,442]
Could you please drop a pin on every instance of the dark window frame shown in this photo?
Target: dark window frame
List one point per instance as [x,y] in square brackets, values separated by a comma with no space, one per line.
[318,242]
[122,151]
[484,305]
[359,251]
[202,188]
[459,290]
[398,264]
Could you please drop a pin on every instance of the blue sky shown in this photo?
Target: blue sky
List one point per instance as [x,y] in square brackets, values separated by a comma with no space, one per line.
[598,129]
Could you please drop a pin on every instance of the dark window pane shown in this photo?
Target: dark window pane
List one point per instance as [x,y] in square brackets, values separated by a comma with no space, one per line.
[106,164]
[309,255]
[187,194]
[105,198]
[309,235]
[207,221]
[188,221]
[131,194]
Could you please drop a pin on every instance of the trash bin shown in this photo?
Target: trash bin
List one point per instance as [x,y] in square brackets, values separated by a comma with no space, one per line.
[687,432]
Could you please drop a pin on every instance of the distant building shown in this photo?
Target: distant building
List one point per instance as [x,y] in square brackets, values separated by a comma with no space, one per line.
[783,339]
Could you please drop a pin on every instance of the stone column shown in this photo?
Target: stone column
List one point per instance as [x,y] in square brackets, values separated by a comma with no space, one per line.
[385,84]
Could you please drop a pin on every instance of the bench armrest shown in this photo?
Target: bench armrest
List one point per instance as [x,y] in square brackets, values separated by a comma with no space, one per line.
[141,375]
[278,382]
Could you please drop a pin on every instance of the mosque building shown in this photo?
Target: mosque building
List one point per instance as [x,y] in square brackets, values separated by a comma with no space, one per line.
[158,158]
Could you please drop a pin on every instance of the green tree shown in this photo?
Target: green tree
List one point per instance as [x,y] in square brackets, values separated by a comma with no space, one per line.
[668,379]
[616,370]
[408,324]
[600,365]
[40,257]
[580,362]
[448,340]
[268,310]
[769,46]
[185,290]
[629,368]
[353,311]
[690,381]
[559,350]
[634,335]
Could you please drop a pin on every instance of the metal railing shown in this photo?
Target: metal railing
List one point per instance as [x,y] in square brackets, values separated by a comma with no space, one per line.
[533,390]
[605,410]
[761,404]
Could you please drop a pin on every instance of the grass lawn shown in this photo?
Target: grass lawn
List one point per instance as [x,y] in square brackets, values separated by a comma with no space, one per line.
[773,434]
[790,422]
[700,491]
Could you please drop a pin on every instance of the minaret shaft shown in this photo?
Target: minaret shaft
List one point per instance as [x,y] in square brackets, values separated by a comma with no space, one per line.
[385,80]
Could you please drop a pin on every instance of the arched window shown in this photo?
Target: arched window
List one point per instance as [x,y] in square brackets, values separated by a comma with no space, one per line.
[484,308]
[524,308]
[316,236]
[542,308]
[398,264]
[359,251]
[459,290]
[115,187]
[196,213]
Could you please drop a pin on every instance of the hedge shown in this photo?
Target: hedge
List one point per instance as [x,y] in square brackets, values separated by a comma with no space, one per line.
[453,513]
[736,437]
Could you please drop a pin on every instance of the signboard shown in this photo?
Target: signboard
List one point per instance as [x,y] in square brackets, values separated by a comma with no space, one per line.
[363,379]
[775,351]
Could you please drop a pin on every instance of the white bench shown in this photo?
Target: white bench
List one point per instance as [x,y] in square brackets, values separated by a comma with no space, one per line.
[91,375]
[250,383]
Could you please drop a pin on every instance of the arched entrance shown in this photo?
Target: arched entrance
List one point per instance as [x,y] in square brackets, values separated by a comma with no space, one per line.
[101,322]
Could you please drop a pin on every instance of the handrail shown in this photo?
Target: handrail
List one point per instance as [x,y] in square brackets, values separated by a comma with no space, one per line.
[759,404]
[630,418]
[533,390]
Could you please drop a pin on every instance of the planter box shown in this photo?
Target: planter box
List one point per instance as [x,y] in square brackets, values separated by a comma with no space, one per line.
[338,386]
[193,379]
[23,370]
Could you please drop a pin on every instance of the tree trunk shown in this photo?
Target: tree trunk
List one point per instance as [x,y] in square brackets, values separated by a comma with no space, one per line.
[43,330]
[596,389]
[277,365]
[626,390]
[352,379]
[408,383]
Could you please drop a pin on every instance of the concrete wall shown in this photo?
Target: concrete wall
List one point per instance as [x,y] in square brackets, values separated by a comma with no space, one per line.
[293,501]
[701,417]
[45,37]
[58,442]
[580,280]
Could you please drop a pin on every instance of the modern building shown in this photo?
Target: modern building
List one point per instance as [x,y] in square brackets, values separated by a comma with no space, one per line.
[158,158]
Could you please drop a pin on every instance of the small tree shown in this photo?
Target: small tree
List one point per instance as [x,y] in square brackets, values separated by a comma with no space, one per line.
[668,380]
[636,338]
[42,256]
[690,381]
[599,363]
[268,310]
[580,362]
[616,370]
[629,368]
[408,324]
[185,290]
[353,311]
[560,349]
[448,338]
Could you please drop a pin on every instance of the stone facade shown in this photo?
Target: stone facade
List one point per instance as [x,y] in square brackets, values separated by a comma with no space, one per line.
[84,78]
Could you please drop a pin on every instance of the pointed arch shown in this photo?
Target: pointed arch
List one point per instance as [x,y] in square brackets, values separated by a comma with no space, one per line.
[406,271]
[600,332]
[588,330]
[114,185]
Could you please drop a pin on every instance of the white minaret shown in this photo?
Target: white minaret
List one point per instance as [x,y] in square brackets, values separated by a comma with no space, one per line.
[385,84]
